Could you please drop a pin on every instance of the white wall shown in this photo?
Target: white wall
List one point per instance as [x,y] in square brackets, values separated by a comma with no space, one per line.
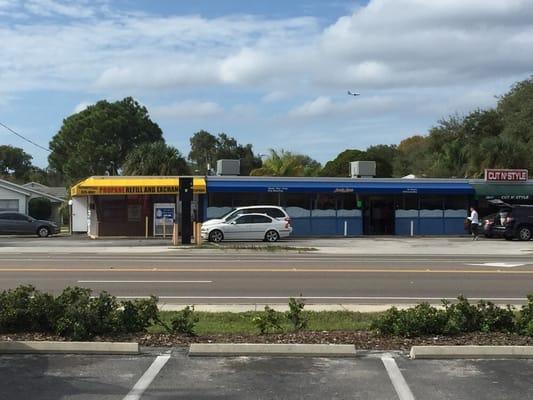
[79,214]
[6,194]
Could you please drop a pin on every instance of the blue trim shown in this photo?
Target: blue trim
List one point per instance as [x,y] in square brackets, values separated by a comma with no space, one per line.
[317,186]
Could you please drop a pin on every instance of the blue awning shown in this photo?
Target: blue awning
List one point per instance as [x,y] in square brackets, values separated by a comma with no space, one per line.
[348,186]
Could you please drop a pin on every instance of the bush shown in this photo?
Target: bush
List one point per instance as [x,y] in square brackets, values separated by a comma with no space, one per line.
[461,317]
[138,315]
[525,319]
[295,314]
[40,208]
[268,320]
[422,319]
[26,309]
[185,321]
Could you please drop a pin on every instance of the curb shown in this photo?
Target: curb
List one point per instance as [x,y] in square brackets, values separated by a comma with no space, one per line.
[253,349]
[474,352]
[36,347]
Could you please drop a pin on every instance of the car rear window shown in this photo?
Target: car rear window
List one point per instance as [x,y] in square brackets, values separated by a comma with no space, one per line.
[259,219]
[275,213]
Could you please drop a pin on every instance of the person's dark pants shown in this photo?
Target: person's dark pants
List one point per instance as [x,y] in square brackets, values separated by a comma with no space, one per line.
[474,228]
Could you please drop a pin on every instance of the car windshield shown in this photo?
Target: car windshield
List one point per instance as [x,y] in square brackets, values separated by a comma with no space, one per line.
[228,214]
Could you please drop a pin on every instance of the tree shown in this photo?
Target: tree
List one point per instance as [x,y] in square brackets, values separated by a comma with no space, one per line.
[203,150]
[155,159]
[15,163]
[285,163]
[206,149]
[383,155]
[412,157]
[97,140]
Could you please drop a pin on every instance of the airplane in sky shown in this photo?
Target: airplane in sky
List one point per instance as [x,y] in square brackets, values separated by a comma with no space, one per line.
[353,93]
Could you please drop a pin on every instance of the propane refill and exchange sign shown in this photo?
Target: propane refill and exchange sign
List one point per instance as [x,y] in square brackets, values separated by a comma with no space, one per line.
[506,175]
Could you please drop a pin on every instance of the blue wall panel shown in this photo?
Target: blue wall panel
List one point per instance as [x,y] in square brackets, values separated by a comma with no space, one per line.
[454,226]
[355,225]
[431,226]
[301,226]
[402,226]
[324,226]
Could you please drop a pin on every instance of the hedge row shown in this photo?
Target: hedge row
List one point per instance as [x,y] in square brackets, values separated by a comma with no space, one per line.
[460,317]
[74,314]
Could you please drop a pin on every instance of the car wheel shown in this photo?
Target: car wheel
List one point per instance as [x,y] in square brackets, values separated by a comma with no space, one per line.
[271,236]
[524,233]
[43,232]
[216,236]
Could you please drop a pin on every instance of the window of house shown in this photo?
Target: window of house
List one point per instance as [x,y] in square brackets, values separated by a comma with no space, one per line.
[9,205]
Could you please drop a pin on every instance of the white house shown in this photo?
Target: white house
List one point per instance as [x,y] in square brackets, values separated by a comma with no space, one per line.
[15,197]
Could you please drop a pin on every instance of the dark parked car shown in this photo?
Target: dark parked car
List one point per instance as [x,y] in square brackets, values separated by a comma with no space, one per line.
[517,223]
[13,223]
[492,224]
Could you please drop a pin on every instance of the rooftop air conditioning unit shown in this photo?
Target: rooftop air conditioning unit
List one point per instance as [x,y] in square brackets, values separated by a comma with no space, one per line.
[228,167]
[363,169]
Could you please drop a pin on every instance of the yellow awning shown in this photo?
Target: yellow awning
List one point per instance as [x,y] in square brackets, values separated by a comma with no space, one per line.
[133,185]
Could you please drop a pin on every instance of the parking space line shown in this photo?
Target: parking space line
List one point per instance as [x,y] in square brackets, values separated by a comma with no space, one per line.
[144,382]
[398,381]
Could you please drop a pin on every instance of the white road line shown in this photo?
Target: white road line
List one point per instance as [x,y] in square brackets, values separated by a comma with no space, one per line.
[142,384]
[323,298]
[499,264]
[397,379]
[145,281]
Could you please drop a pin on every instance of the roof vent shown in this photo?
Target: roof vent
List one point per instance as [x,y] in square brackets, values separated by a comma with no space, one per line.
[363,169]
[228,167]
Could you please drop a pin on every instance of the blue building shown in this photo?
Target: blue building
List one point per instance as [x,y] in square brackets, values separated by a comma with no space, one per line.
[338,206]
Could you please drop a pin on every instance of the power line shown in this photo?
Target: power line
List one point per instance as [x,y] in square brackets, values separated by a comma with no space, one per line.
[25,138]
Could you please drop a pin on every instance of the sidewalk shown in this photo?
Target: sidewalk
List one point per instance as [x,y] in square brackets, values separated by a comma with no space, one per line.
[335,246]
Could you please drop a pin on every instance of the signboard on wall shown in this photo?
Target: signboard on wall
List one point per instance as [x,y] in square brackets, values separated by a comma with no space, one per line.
[110,190]
[164,215]
[506,175]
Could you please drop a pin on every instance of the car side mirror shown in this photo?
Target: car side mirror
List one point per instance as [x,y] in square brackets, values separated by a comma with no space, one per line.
[233,222]
[30,219]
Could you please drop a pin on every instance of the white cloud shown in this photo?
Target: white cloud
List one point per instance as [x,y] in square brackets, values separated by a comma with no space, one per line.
[275,96]
[187,109]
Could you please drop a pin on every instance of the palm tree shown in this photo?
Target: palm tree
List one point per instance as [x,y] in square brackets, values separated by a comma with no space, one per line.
[156,159]
[285,163]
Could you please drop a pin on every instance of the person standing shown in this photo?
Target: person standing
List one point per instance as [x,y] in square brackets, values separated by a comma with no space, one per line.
[474,222]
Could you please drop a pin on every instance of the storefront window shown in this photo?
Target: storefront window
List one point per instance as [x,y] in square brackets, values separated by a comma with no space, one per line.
[297,204]
[456,202]
[325,205]
[431,202]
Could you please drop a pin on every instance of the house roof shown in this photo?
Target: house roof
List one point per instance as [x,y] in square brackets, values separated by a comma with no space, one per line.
[27,191]
[57,191]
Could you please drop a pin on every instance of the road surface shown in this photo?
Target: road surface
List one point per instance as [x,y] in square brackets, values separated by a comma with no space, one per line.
[239,278]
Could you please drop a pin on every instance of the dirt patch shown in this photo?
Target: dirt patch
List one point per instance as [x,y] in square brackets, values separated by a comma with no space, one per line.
[362,340]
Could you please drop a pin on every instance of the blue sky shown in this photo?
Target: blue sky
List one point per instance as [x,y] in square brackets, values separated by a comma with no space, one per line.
[271,73]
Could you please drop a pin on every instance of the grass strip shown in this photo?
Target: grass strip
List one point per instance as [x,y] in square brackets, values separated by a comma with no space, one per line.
[212,323]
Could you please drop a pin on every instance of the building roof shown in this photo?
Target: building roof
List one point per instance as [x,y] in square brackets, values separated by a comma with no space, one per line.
[132,185]
[57,191]
[27,191]
[338,185]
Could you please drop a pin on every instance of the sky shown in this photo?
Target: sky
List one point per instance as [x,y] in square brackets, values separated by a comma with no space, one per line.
[271,73]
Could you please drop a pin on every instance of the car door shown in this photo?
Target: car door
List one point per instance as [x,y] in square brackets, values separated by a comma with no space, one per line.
[260,224]
[6,223]
[22,224]
[239,228]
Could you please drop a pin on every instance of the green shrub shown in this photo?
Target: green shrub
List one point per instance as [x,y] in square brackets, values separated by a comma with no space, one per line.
[295,314]
[26,309]
[496,319]
[462,316]
[525,319]
[268,320]
[138,315]
[40,208]
[422,319]
[185,321]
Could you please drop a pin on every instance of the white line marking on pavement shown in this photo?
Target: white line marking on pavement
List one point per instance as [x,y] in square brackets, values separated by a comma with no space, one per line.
[397,379]
[145,281]
[142,384]
[323,298]
[498,264]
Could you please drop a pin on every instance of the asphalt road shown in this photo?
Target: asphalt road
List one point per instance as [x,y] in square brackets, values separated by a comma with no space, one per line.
[369,376]
[237,278]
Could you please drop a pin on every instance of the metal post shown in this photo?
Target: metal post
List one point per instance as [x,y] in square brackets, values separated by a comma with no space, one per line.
[345,228]
[412,228]
[146,227]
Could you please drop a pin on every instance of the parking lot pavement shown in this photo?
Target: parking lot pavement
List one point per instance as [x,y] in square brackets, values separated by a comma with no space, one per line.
[153,375]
